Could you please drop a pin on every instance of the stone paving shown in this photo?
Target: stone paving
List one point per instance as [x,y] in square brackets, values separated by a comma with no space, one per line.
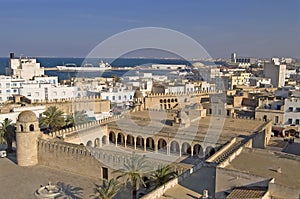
[21,182]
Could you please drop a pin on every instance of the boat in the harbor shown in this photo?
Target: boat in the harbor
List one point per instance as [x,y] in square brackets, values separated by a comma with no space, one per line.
[102,66]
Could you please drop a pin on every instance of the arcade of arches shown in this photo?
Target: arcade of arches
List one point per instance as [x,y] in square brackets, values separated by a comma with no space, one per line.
[150,144]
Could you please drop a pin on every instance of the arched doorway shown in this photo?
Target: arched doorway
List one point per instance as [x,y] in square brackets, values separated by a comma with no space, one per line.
[198,150]
[150,144]
[209,151]
[162,146]
[130,141]
[121,139]
[174,147]
[97,142]
[104,139]
[112,137]
[140,142]
[89,143]
[186,149]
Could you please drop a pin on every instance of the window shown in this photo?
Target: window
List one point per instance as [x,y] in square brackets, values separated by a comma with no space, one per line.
[113,98]
[276,118]
[106,97]
[8,91]
[297,122]
[297,109]
[7,85]
[120,97]
[130,97]
[290,109]
[290,121]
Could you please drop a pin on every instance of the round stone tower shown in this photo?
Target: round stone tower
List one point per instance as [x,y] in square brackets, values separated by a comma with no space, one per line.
[27,133]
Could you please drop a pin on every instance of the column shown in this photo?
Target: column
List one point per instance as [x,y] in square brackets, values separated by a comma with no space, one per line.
[156,147]
[116,139]
[125,141]
[134,143]
[180,150]
[192,151]
[145,144]
[168,149]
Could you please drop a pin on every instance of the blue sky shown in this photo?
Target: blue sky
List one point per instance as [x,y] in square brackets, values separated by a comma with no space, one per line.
[260,28]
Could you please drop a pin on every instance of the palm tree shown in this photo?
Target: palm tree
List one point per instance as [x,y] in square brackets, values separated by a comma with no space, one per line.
[7,133]
[108,190]
[133,172]
[162,175]
[53,118]
[79,117]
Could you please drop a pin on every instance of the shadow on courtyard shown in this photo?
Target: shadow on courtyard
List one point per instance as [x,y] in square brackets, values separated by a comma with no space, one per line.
[70,191]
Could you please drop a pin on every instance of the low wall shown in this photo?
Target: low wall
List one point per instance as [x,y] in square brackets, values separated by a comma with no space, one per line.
[281,191]
[221,151]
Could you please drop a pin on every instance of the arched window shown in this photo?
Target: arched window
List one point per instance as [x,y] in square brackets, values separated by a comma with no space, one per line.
[31,127]
[21,128]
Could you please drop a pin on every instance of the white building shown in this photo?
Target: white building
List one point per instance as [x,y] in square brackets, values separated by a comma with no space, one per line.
[118,95]
[42,92]
[168,66]
[9,87]
[276,71]
[25,68]
[13,115]
[291,111]
[260,81]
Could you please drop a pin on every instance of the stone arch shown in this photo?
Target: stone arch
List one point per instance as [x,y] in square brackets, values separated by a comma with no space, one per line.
[150,144]
[174,147]
[97,142]
[89,143]
[140,142]
[186,149]
[209,151]
[130,141]
[104,139]
[121,139]
[165,101]
[31,127]
[198,150]
[162,145]
[112,137]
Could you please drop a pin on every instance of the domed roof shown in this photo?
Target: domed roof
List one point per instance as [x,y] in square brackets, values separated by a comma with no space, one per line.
[138,94]
[198,64]
[27,116]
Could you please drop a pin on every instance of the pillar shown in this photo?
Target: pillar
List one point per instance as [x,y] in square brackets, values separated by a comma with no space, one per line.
[134,143]
[168,149]
[145,144]
[125,141]
[180,150]
[156,147]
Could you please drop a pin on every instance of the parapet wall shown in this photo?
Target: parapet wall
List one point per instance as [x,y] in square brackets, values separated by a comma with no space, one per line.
[65,132]
[69,157]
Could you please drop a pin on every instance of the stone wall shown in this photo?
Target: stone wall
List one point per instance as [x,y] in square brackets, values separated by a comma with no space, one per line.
[69,157]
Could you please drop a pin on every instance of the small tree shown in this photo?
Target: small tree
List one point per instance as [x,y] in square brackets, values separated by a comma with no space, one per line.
[7,134]
[162,175]
[108,190]
[133,172]
[79,117]
[53,118]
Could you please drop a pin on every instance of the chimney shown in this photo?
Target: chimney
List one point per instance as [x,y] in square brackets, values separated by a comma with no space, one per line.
[12,55]
[205,194]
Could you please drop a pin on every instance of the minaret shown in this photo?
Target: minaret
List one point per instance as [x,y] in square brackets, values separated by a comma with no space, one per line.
[27,134]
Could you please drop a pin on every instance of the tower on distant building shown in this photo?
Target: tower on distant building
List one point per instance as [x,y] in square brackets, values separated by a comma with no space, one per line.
[233,57]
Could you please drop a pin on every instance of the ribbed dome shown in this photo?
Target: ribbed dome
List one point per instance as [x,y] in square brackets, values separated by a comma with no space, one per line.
[27,116]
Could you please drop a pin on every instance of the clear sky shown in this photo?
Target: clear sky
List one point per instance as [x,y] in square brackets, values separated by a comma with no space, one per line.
[260,28]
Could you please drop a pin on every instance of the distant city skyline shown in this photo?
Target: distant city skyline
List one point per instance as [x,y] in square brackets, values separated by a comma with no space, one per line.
[72,28]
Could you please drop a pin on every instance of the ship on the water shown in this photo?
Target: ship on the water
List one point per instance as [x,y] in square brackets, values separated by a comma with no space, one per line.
[102,66]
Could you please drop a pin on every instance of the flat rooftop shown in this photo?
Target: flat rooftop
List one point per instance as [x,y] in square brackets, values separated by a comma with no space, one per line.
[267,163]
[155,123]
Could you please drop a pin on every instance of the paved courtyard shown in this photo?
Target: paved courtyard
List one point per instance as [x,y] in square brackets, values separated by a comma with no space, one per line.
[21,182]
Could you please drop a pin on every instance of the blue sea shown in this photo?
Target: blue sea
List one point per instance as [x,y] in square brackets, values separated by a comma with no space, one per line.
[120,62]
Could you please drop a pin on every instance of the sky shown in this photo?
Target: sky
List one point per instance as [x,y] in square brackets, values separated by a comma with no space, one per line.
[73,28]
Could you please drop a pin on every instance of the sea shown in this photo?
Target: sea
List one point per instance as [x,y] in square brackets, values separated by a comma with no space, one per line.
[48,62]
